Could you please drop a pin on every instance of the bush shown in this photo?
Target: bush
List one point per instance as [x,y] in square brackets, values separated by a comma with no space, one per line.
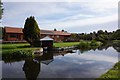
[83,44]
[16,55]
[93,43]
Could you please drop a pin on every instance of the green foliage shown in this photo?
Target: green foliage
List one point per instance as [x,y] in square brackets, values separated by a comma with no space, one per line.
[65,44]
[102,36]
[116,45]
[116,35]
[1,9]
[16,52]
[84,44]
[31,30]
[112,74]
[94,43]
[16,55]
[88,45]
[100,32]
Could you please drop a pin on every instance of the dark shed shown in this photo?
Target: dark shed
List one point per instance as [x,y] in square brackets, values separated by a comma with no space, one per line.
[47,42]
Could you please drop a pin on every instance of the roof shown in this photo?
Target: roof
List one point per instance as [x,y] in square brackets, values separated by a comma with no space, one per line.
[47,38]
[52,32]
[47,61]
[13,30]
[48,32]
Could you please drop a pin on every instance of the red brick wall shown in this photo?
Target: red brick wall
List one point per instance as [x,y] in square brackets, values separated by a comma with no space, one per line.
[20,37]
[7,37]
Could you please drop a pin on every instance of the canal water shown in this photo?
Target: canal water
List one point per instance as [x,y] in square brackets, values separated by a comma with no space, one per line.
[77,64]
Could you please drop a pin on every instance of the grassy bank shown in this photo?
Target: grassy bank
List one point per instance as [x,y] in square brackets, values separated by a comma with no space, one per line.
[25,47]
[66,44]
[7,48]
[112,73]
[17,52]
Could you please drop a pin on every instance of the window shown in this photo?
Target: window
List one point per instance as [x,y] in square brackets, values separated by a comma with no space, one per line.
[13,36]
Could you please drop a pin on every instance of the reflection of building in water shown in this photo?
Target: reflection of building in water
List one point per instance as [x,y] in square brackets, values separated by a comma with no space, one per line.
[47,61]
[32,66]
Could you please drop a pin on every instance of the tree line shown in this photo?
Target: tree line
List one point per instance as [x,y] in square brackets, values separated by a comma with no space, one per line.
[1,9]
[100,35]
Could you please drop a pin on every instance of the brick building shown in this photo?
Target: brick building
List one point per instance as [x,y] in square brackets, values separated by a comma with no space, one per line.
[16,34]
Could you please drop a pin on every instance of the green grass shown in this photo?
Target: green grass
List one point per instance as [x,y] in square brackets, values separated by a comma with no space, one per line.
[66,44]
[6,48]
[14,46]
[27,46]
[9,48]
[112,73]
[17,52]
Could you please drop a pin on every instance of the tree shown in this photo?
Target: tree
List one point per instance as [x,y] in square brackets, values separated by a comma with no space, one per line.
[1,9]
[62,30]
[55,29]
[31,30]
[100,32]
[116,35]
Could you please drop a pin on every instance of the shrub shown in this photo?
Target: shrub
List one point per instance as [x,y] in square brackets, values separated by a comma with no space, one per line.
[16,55]
[93,43]
[83,44]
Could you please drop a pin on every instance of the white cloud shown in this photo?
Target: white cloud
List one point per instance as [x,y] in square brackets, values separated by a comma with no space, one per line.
[66,15]
[60,0]
[98,56]
[83,22]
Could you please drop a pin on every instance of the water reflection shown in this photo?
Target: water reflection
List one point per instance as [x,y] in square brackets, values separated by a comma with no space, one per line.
[115,45]
[31,69]
[32,66]
[9,58]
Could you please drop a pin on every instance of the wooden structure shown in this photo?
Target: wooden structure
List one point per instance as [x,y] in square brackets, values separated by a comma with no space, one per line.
[47,43]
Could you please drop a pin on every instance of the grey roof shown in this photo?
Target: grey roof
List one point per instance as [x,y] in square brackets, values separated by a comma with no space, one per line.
[47,38]
[47,61]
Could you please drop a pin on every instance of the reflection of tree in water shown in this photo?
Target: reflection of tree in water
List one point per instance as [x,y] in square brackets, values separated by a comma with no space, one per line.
[83,50]
[32,65]
[116,46]
[31,69]
[104,46]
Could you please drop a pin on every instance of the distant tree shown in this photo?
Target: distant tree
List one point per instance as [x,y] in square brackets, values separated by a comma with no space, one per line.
[100,32]
[62,30]
[31,30]
[55,29]
[106,31]
[116,35]
[1,9]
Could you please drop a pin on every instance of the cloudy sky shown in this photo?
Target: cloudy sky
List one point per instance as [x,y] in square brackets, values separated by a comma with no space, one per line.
[73,16]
